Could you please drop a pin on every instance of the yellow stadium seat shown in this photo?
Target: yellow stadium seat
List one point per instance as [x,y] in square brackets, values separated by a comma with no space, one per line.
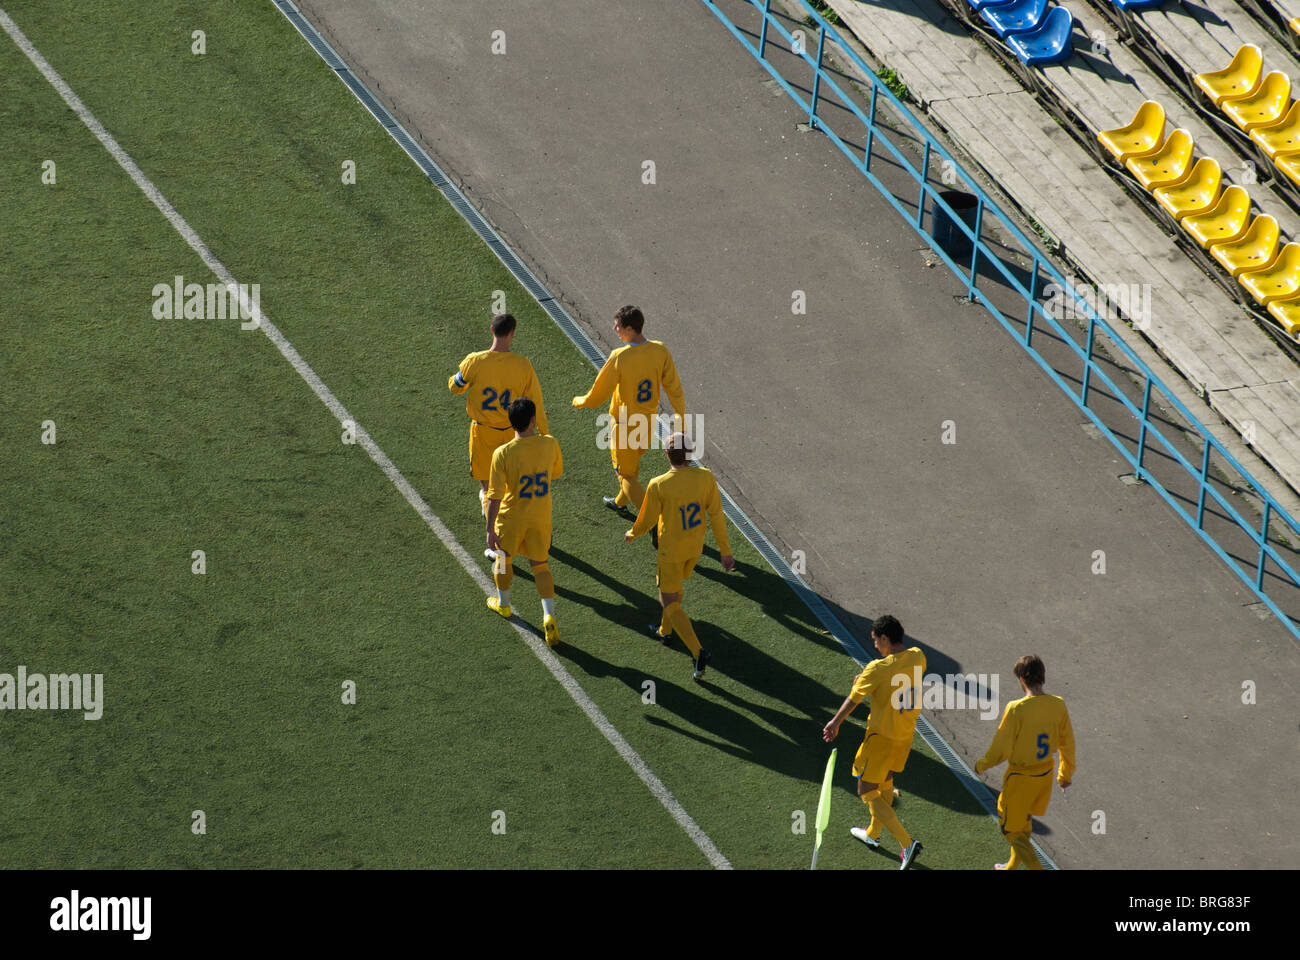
[1139,138]
[1279,280]
[1196,194]
[1265,105]
[1226,222]
[1280,137]
[1169,165]
[1287,313]
[1239,79]
[1256,248]
[1289,164]
[1295,25]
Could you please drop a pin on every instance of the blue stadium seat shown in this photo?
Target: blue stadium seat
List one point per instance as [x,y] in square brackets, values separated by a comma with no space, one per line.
[1138,4]
[1050,43]
[979,5]
[1019,16]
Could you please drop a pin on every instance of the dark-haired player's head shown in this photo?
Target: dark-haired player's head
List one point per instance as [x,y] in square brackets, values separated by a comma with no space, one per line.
[503,324]
[628,320]
[678,449]
[1030,669]
[522,413]
[888,629]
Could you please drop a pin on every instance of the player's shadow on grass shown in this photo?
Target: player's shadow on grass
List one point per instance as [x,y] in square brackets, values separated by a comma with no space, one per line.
[638,606]
[923,777]
[766,588]
[727,729]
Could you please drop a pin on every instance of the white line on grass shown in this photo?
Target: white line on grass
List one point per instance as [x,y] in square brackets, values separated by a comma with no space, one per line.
[552,662]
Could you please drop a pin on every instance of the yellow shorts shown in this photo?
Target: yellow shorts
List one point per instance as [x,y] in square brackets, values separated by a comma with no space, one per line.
[626,455]
[880,757]
[627,462]
[1023,795]
[673,573]
[483,442]
[518,538]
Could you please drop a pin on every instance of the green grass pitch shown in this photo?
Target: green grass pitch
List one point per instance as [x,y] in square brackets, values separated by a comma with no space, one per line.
[223,691]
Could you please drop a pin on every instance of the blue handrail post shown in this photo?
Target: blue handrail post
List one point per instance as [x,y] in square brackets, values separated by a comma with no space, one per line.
[975,247]
[1142,433]
[1087,358]
[871,125]
[1205,472]
[762,34]
[1263,547]
[817,75]
[1033,302]
[925,175]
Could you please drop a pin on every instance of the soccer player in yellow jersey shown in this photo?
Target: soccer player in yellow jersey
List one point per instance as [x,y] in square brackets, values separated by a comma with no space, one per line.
[1033,728]
[519,511]
[631,380]
[681,504]
[490,379]
[893,683]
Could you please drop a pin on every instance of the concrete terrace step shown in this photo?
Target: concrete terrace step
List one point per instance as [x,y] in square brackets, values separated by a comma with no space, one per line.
[1204,36]
[1217,347]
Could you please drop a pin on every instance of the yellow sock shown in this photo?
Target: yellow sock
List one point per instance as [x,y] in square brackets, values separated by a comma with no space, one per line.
[545,582]
[666,622]
[630,492]
[882,815]
[503,580]
[1022,853]
[875,827]
[682,624]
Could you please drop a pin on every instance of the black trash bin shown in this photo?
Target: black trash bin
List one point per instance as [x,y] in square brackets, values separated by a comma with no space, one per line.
[944,229]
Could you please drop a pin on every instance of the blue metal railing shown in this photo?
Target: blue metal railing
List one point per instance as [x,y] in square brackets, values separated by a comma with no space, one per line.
[1036,313]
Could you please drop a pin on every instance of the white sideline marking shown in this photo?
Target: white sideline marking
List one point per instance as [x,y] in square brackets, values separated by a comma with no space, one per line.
[552,662]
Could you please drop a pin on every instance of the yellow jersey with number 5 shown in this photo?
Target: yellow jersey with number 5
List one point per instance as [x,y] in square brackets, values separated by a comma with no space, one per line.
[490,379]
[522,473]
[893,684]
[1031,731]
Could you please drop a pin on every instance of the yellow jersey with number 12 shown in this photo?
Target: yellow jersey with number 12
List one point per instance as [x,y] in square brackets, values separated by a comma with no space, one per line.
[684,502]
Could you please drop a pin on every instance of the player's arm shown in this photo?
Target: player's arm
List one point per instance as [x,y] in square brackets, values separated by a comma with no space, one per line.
[671,384]
[493,507]
[862,684]
[1003,741]
[646,520]
[533,391]
[496,492]
[718,521]
[602,389]
[557,470]
[458,382]
[1065,774]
